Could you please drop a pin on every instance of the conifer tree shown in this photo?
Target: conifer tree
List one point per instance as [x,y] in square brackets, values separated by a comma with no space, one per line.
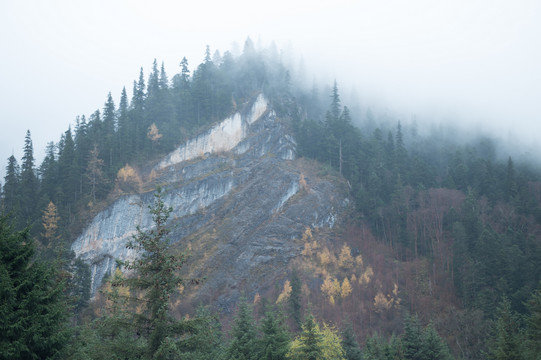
[309,342]
[205,340]
[335,103]
[295,298]
[29,182]
[11,191]
[412,338]
[83,145]
[533,326]
[274,343]
[68,173]
[33,310]
[243,345]
[505,344]
[123,131]
[137,114]
[108,131]
[156,270]
[349,343]
[433,347]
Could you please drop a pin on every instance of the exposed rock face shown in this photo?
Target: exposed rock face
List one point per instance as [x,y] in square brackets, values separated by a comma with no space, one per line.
[237,204]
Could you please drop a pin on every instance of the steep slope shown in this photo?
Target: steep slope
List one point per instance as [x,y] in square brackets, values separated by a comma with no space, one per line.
[240,202]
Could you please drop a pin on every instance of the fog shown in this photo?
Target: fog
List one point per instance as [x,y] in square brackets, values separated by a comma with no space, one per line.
[472,63]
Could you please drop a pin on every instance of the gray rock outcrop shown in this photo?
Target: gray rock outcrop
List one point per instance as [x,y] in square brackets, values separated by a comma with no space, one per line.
[239,205]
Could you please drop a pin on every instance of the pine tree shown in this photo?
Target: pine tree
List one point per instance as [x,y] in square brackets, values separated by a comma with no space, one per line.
[349,343]
[243,345]
[336,107]
[533,326]
[29,182]
[48,172]
[123,132]
[412,338]
[11,194]
[295,300]
[310,341]
[156,270]
[108,131]
[274,343]
[205,341]
[505,344]
[433,347]
[137,126]
[68,174]
[83,145]
[33,310]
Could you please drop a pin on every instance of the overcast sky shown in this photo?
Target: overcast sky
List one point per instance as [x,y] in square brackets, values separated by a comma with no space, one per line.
[478,61]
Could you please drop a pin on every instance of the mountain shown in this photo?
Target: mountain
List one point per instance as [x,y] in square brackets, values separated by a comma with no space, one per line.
[288,200]
[241,202]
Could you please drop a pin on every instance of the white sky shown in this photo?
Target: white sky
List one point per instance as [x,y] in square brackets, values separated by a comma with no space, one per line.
[479,61]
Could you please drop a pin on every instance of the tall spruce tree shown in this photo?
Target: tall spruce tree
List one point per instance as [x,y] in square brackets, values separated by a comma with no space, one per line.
[295,298]
[48,172]
[157,276]
[310,341]
[33,309]
[505,343]
[349,343]
[123,131]
[533,326]
[412,338]
[29,183]
[243,345]
[11,191]
[108,133]
[274,342]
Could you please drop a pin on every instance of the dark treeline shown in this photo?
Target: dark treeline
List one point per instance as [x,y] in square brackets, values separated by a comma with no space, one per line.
[475,216]
[476,220]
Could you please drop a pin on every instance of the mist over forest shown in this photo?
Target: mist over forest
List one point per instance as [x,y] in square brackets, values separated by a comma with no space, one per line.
[434,253]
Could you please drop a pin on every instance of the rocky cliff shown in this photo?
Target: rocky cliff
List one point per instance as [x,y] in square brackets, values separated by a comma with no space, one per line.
[240,203]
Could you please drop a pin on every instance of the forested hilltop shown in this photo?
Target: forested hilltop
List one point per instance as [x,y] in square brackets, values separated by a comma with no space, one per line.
[438,258]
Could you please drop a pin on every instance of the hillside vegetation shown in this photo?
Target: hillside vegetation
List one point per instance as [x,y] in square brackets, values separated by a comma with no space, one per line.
[437,257]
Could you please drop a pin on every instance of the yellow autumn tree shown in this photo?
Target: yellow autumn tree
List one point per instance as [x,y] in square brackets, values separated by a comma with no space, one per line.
[286,291]
[128,179]
[331,288]
[325,257]
[359,260]
[307,251]
[345,260]
[382,302]
[257,298]
[154,134]
[302,182]
[345,288]
[50,225]
[366,276]
[307,235]
[396,299]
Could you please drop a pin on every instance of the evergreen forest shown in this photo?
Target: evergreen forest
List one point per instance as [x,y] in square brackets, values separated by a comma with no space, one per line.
[448,224]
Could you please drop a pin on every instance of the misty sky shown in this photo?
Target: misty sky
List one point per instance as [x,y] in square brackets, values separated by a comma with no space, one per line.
[474,61]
